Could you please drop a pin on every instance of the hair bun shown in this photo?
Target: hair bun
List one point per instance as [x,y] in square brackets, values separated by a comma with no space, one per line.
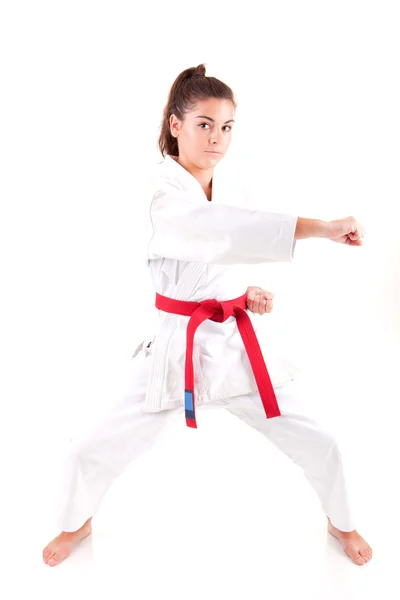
[199,71]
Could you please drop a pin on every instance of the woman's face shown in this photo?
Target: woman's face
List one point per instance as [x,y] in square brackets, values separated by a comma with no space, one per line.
[205,133]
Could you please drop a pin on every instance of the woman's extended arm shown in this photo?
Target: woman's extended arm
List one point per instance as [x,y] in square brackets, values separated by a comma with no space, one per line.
[185,229]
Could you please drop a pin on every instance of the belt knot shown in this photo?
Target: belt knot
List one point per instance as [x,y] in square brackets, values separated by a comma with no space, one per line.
[221,309]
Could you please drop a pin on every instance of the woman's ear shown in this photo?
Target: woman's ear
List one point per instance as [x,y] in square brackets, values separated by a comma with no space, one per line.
[174,124]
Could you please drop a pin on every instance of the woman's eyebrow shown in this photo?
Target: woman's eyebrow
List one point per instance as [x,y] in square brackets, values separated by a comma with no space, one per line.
[210,119]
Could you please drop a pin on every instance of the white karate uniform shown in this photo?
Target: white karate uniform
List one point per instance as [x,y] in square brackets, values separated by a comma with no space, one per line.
[197,250]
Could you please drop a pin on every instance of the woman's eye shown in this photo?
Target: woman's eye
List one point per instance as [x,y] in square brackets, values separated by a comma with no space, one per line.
[229,127]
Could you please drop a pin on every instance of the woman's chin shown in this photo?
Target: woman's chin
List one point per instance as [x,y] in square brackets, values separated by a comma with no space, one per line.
[213,157]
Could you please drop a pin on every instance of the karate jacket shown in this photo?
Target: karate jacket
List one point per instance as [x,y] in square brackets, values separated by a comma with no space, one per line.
[196,251]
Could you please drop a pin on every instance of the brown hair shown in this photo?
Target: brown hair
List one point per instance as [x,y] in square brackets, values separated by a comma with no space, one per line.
[191,86]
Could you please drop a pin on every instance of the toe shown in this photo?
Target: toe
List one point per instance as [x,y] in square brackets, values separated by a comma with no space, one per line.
[49,557]
[52,563]
[366,554]
[354,555]
[55,559]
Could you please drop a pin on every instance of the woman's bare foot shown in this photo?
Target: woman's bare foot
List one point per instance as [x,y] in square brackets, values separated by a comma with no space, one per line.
[353,544]
[62,545]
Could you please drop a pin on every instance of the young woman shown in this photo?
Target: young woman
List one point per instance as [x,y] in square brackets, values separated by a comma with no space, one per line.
[205,352]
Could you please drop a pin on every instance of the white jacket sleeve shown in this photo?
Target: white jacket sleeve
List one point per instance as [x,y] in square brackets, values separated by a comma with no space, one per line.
[182,228]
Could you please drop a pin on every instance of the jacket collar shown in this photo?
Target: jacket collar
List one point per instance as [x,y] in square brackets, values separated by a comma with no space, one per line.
[173,169]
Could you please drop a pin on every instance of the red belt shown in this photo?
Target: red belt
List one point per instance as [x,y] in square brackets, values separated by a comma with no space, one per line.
[220,312]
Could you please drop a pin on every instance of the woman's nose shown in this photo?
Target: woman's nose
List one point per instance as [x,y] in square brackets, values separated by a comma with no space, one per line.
[216,137]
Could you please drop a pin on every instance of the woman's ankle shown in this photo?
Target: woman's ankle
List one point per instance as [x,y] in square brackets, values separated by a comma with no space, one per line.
[87,524]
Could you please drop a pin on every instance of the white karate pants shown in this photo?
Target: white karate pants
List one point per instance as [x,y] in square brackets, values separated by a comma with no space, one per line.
[94,459]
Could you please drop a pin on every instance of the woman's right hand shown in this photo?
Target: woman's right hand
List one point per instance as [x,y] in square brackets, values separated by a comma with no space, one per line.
[346,231]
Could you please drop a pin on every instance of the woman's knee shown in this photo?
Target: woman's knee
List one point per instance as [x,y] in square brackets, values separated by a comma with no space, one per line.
[330,444]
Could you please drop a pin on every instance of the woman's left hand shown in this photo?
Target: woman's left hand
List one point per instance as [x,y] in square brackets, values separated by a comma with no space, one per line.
[258,300]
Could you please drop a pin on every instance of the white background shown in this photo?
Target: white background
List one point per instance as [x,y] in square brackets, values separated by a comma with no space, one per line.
[83,86]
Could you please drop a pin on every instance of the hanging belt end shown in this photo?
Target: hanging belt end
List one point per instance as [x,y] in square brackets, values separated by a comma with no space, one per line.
[189,410]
